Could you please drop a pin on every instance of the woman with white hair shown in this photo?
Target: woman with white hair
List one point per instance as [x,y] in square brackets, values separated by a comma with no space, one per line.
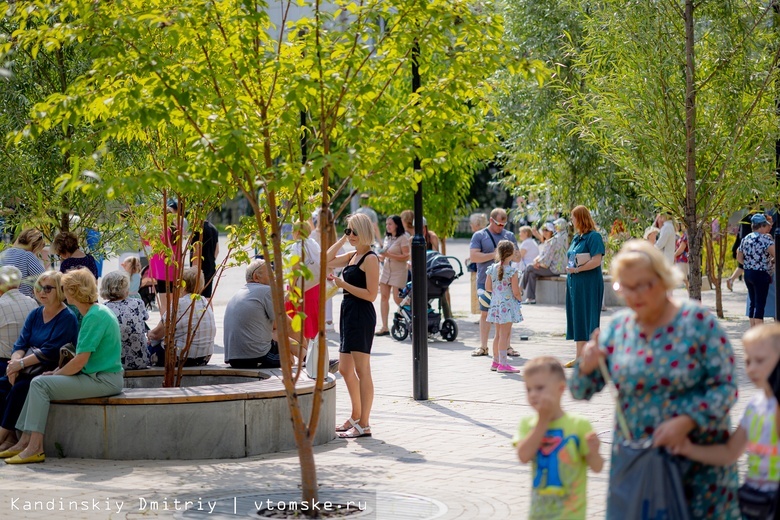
[131,314]
[674,369]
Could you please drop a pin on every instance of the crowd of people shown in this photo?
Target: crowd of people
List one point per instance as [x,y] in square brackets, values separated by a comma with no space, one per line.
[670,362]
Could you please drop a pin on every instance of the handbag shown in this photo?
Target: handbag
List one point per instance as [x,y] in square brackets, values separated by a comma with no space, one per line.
[755,504]
[312,358]
[581,259]
[646,482]
[67,352]
[44,364]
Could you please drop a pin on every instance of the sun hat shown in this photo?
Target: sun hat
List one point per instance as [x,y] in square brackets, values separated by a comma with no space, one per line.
[650,230]
[758,218]
[549,226]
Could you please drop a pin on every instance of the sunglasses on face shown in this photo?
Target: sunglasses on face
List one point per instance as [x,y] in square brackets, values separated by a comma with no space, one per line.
[350,231]
[45,288]
[497,223]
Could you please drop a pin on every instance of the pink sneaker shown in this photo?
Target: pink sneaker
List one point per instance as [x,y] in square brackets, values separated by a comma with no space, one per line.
[494,366]
[507,369]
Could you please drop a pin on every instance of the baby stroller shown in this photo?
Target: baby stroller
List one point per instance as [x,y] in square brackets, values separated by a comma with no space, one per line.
[440,274]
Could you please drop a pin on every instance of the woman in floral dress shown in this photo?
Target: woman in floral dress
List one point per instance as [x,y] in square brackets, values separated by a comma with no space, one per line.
[131,314]
[674,369]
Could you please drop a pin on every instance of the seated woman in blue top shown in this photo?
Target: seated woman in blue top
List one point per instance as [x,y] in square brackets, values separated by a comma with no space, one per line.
[46,329]
[96,371]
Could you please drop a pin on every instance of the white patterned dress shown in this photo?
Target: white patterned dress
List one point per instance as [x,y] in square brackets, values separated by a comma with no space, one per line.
[504,307]
[131,314]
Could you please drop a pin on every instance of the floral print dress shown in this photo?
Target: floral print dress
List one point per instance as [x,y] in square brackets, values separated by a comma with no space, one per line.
[131,314]
[685,368]
[504,307]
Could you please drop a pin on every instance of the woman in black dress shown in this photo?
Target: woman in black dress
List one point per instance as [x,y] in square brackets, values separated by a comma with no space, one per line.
[360,282]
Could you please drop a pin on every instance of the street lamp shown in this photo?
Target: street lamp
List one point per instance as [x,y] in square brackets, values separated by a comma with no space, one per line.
[419,280]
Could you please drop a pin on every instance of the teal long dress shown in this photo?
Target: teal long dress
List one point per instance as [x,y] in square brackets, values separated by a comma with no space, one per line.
[585,290]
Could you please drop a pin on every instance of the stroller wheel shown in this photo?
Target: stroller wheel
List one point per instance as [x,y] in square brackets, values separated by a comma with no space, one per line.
[399,330]
[449,329]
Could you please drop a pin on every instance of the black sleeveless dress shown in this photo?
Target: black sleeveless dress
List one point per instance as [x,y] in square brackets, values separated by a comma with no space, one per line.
[358,316]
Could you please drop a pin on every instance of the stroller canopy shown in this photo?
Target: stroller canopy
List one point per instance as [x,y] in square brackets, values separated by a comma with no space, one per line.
[439,270]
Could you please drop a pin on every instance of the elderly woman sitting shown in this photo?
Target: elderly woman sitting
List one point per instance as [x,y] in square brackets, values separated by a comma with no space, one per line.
[37,350]
[131,314]
[195,325]
[96,371]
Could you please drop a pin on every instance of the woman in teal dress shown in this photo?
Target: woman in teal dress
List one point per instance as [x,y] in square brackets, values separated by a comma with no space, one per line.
[584,283]
[673,366]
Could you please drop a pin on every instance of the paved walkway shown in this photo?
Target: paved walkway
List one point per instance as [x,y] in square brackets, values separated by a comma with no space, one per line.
[449,457]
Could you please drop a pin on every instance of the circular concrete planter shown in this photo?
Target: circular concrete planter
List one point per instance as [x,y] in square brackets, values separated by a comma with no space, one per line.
[217,413]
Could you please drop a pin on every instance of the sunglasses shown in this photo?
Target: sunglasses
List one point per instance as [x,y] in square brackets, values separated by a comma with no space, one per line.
[45,288]
[350,231]
[497,223]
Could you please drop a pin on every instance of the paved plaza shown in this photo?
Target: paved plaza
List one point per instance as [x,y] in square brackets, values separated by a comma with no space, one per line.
[449,457]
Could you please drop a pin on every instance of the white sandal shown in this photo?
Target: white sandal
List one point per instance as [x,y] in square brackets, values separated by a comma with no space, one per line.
[344,428]
[356,432]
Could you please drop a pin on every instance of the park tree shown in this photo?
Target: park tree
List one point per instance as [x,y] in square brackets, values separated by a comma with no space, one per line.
[279,112]
[29,191]
[681,97]
[544,155]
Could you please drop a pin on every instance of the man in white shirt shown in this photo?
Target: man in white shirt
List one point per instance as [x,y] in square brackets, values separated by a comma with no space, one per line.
[666,238]
[14,308]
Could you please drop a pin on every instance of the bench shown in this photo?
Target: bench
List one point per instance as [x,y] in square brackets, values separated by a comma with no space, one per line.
[226,413]
[551,290]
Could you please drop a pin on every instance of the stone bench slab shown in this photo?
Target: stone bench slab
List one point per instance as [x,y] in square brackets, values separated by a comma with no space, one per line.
[193,422]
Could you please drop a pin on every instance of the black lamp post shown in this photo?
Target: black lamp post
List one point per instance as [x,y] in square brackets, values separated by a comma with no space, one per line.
[419,280]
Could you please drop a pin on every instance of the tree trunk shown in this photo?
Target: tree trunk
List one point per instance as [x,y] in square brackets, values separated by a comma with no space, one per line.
[695,228]
[308,473]
[712,275]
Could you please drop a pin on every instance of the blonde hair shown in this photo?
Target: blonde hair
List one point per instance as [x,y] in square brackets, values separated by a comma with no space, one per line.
[191,276]
[640,252]
[585,222]
[407,217]
[768,333]
[526,230]
[479,220]
[30,240]
[504,250]
[55,277]
[134,264]
[80,285]
[361,225]
[546,364]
